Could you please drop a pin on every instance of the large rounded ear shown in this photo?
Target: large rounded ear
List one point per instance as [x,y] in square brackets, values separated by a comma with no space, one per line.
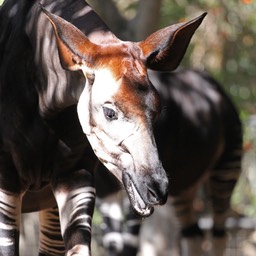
[164,49]
[75,49]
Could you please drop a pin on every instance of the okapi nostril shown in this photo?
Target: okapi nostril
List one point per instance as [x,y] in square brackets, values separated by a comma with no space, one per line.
[155,195]
[152,194]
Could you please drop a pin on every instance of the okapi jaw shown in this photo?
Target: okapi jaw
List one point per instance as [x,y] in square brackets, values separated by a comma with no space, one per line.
[118,104]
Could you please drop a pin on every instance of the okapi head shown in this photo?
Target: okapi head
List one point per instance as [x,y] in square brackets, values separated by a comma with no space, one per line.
[118,105]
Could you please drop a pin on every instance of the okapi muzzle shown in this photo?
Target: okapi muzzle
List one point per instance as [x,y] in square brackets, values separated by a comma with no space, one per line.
[118,104]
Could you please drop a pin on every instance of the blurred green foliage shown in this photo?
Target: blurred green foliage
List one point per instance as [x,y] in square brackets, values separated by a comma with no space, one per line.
[225,45]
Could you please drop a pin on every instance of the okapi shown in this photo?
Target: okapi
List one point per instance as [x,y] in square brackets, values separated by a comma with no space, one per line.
[67,84]
[199,139]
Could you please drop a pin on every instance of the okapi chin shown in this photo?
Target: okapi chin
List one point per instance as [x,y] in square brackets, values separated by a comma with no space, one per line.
[69,86]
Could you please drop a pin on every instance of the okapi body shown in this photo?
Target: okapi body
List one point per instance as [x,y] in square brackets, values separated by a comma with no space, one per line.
[199,139]
[67,86]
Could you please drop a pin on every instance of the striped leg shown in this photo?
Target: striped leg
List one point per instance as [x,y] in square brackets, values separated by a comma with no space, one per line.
[222,183]
[183,205]
[10,208]
[160,234]
[121,226]
[111,211]
[192,236]
[75,197]
[51,242]
[131,231]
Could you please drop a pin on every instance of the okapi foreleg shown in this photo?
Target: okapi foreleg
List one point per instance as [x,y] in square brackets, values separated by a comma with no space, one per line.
[75,196]
[10,208]
[192,236]
[122,226]
[222,183]
[50,239]
[111,210]
[132,231]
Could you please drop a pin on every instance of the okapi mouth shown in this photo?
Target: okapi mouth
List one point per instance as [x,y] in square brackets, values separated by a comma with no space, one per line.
[139,205]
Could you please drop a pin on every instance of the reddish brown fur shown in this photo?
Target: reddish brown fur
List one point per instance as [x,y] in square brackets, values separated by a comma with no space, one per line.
[131,73]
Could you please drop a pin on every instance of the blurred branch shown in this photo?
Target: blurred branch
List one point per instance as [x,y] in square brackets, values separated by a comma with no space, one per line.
[145,22]
[109,12]
[147,18]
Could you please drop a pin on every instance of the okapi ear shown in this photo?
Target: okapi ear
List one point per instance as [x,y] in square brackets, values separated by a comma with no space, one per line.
[164,49]
[72,43]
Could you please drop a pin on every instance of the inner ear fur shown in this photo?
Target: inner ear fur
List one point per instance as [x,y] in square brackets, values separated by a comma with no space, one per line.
[75,49]
[164,49]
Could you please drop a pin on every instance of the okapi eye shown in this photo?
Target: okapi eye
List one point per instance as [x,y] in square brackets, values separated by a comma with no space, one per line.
[110,113]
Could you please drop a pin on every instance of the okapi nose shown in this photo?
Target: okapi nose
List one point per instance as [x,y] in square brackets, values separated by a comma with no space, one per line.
[158,191]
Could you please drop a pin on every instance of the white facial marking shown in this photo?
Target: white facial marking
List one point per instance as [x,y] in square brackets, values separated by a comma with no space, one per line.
[105,86]
[102,90]
[105,125]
